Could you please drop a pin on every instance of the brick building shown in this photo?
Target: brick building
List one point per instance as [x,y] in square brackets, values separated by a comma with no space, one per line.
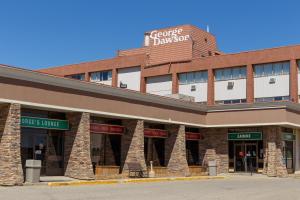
[177,101]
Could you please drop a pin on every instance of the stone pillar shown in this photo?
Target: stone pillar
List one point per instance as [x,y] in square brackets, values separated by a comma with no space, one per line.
[215,147]
[133,145]
[294,81]
[175,88]
[273,164]
[11,172]
[250,84]
[176,151]
[211,88]
[78,162]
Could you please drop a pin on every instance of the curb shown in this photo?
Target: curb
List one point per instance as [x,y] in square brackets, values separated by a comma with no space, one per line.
[146,180]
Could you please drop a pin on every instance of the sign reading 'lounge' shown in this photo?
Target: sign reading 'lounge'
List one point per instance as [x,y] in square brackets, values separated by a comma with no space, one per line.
[245,136]
[44,123]
[169,36]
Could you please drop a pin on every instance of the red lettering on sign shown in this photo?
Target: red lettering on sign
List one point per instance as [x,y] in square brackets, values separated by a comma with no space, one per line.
[107,129]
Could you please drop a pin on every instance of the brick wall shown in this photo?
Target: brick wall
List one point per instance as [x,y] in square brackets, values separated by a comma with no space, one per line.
[11,172]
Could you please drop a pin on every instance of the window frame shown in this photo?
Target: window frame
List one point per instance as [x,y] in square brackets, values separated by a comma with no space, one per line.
[242,73]
[203,77]
[100,76]
[283,67]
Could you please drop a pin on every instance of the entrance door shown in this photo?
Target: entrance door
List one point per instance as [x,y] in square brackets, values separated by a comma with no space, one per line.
[251,157]
[245,157]
[288,156]
[239,155]
[34,146]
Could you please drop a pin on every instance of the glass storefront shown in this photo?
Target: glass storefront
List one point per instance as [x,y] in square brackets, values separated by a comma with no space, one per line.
[45,144]
[245,148]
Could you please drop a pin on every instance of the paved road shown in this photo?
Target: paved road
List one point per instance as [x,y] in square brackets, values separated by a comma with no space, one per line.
[242,188]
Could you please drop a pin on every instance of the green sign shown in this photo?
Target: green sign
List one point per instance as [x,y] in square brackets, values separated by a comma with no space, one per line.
[288,136]
[245,136]
[44,123]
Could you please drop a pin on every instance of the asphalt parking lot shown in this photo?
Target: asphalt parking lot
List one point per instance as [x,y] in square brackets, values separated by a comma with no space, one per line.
[232,188]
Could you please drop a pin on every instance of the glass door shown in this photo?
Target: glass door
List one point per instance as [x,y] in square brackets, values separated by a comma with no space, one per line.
[288,155]
[39,153]
[245,157]
[239,155]
[251,157]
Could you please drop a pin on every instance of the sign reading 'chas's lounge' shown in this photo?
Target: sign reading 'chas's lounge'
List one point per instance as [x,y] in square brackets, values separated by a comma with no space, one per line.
[168,36]
[34,122]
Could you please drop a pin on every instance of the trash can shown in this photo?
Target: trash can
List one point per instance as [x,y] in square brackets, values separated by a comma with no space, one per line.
[212,168]
[33,171]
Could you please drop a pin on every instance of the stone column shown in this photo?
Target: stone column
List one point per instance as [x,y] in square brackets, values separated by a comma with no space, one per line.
[78,162]
[215,147]
[211,88]
[133,145]
[176,151]
[11,172]
[250,84]
[273,164]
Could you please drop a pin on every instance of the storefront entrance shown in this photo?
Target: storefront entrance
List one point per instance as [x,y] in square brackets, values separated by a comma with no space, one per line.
[245,151]
[42,138]
[34,146]
[245,157]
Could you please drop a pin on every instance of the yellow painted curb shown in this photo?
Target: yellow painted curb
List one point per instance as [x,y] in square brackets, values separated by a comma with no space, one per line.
[75,183]
[144,180]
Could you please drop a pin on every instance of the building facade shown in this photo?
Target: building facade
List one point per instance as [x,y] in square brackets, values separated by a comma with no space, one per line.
[177,102]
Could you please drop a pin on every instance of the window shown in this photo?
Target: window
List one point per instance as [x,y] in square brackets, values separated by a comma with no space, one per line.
[232,101]
[77,76]
[272,69]
[101,76]
[230,73]
[193,77]
[298,62]
[272,99]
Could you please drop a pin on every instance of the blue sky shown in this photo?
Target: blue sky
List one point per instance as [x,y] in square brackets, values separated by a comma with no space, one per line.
[42,33]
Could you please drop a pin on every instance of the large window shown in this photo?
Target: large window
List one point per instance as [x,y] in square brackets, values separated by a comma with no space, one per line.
[193,77]
[272,69]
[232,101]
[230,73]
[298,62]
[272,99]
[76,76]
[101,76]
